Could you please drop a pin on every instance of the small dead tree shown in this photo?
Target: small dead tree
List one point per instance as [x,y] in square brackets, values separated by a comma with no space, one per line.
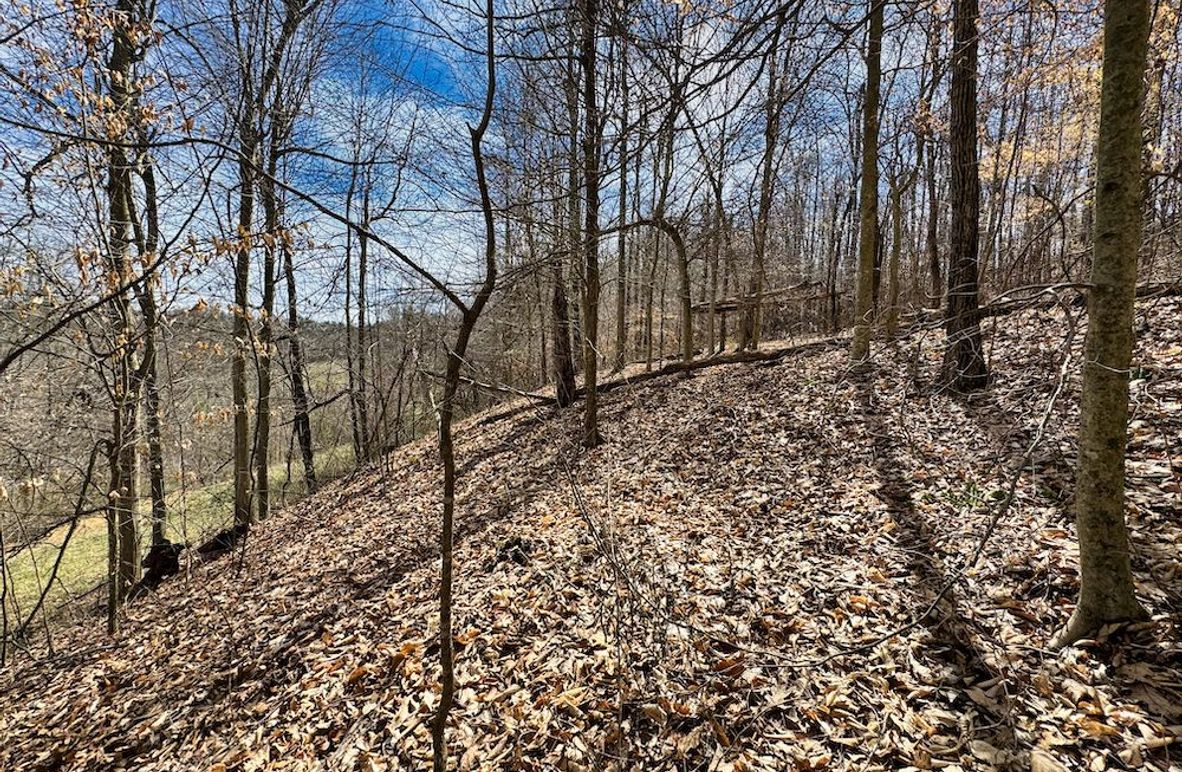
[469,315]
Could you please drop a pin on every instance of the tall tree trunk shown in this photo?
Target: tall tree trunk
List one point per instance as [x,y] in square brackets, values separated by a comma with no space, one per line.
[715,260]
[622,236]
[683,293]
[1106,581]
[935,276]
[574,204]
[591,152]
[147,242]
[243,513]
[728,270]
[964,359]
[564,365]
[122,554]
[301,420]
[262,431]
[455,359]
[892,311]
[868,199]
[363,328]
[156,484]
[350,355]
[749,330]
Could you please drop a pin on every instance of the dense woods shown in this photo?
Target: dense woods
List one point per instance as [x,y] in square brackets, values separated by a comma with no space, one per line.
[268,265]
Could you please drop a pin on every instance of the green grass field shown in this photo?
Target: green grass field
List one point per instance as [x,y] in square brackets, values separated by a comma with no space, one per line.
[193,515]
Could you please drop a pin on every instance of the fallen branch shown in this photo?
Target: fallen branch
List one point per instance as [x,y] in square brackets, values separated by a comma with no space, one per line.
[1042,296]
[673,368]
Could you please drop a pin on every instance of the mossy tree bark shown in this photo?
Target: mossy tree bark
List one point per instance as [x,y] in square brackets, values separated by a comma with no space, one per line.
[1106,581]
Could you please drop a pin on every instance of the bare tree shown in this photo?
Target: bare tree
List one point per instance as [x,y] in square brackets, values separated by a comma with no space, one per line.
[469,316]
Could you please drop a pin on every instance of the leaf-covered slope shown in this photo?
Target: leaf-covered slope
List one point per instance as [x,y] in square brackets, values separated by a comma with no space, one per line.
[682,597]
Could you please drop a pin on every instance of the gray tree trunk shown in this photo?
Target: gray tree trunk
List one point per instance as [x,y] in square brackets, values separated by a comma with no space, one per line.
[1106,581]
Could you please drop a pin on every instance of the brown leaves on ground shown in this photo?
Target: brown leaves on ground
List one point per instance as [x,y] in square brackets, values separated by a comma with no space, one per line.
[679,598]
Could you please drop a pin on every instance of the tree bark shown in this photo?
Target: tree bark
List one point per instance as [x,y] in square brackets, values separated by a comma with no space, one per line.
[892,311]
[1106,582]
[262,429]
[363,327]
[749,329]
[564,365]
[964,358]
[147,242]
[243,513]
[301,420]
[591,172]
[455,359]
[622,237]
[868,198]
[122,553]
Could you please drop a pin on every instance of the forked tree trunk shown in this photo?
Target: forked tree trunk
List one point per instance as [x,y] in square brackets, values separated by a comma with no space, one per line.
[301,420]
[455,359]
[1106,581]
[147,242]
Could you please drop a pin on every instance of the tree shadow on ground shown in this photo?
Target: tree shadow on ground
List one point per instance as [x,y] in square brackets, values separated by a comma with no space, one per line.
[953,642]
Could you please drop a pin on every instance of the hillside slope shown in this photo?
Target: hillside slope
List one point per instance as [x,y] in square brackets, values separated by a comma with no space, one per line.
[683,597]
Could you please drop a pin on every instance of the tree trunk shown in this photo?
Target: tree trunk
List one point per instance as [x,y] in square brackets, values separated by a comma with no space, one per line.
[591,151]
[749,330]
[964,359]
[122,553]
[243,513]
[622,238]
[563,356]
[301,420]
[935,275]
[1106,581]
[147,243]
[455,360]
[868,199]
[363,328]
[262,429]
[892,311]
[715,255]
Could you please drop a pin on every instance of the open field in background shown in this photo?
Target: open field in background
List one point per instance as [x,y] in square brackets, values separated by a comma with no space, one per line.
[194,515]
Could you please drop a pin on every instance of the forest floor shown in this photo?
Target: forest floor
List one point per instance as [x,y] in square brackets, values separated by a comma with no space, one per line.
[766,567]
